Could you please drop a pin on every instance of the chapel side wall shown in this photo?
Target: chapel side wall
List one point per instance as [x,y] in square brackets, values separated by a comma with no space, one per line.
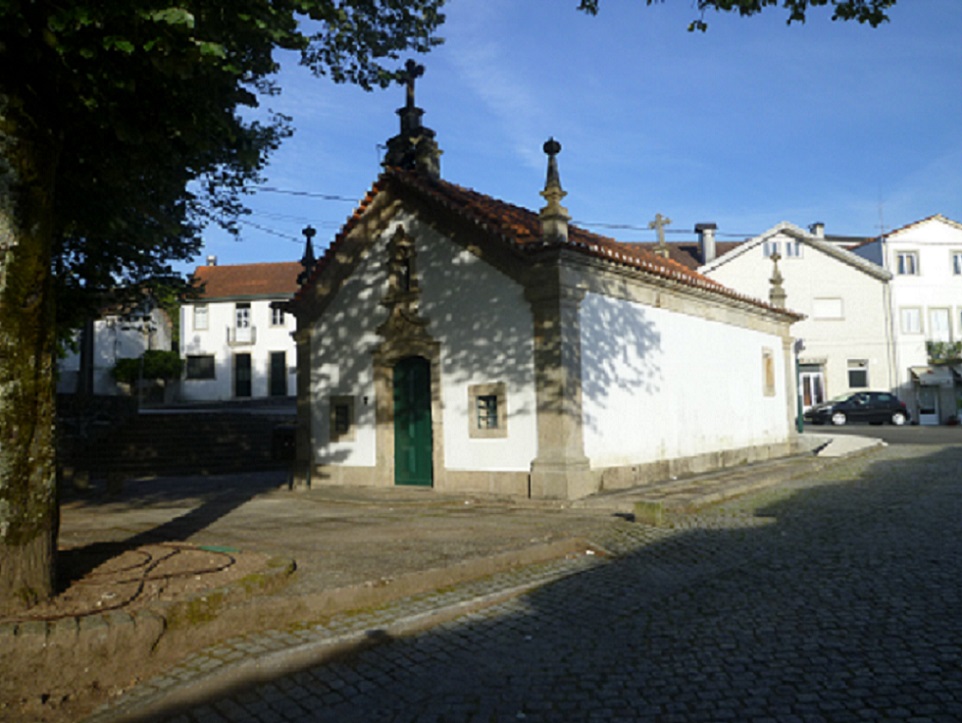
[484,326]
[645,381]
[862,332]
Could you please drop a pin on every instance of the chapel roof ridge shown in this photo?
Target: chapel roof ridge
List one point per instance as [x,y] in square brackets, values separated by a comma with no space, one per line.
[520,229]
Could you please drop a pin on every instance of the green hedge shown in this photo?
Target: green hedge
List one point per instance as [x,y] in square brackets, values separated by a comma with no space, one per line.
[157,365]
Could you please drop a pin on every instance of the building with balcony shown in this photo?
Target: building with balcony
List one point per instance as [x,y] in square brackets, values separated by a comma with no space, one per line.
[235,342]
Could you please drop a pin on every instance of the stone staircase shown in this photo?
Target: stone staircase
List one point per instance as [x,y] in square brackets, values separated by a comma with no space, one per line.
[187,443]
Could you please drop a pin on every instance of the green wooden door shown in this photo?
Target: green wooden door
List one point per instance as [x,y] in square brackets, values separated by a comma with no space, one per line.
[412,422]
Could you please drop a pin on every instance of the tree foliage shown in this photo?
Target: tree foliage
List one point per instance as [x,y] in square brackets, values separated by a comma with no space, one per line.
[154,364]
[872,12]
[123,133]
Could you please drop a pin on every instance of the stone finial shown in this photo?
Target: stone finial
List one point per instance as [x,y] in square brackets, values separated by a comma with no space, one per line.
[308,260]
[776,295]
[659,225]
[554,216]
[414,148]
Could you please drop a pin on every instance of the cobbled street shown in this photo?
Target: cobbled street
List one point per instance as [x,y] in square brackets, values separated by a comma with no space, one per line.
[830,599]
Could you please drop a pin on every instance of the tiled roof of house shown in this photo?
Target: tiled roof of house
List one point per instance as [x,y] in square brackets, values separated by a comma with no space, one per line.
[254,280]
[688,254]
[520,229]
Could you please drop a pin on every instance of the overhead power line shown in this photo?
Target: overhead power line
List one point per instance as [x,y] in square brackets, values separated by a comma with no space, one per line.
[308,194]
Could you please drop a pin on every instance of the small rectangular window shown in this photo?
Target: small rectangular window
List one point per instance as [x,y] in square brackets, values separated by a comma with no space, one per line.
[957,263]
[858,374]
[277,316]
[487,410]
[768,372]
[907,263]
[342,418]
[911,320]
[771,247]
[828,308]
[793,249]
[200,367]
[200,317]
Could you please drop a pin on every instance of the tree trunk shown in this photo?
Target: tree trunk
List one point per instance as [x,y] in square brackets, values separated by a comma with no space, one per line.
[28,504]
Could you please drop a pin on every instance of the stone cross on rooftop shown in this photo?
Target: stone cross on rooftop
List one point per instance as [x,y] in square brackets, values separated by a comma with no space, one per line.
[659,225]
[412,71]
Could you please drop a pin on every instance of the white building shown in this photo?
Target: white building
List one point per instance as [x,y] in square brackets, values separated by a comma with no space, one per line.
[234,343]
[925,260]
[452,340]
[846,335]
[119,333]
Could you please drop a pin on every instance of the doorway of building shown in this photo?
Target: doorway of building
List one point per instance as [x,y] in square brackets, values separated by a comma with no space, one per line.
[242,375]
[412,422]
[813,385]
[278,374]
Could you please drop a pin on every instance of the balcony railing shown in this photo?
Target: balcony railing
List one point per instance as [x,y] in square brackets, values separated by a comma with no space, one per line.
[241,336]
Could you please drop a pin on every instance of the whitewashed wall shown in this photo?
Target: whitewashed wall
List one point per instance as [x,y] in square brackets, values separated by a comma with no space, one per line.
[214,340]
[483,323]
[658,384]
[863,330]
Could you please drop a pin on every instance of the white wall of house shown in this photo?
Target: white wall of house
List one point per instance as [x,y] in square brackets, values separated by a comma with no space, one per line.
[925,260]
[214,335]
[653,387]
[114,338]
[843,298]
[484,326]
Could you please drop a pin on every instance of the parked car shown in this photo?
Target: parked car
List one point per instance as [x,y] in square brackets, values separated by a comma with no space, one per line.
[872,407]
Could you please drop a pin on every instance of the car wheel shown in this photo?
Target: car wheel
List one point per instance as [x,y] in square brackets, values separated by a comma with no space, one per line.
[838,418]
[898,419]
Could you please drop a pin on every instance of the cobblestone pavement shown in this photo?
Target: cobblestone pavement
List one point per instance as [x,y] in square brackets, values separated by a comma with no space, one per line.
[837,598]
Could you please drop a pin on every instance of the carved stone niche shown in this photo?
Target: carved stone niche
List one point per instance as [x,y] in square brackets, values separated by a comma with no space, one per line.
[403,295]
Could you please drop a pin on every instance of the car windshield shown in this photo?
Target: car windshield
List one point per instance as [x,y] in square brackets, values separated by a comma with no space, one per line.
[840,398]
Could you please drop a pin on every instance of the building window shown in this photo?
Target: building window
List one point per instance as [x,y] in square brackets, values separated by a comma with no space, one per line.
[939,325]
[911,317]
[858,374]
[771,247]
[768,372]
[200,317]
[277,317]
[342,418]
[829,308]
[488,410]
[907,263]
[957,263]
[793,249]
[200,367]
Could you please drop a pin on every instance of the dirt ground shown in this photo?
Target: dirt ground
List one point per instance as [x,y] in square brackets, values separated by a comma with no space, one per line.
[56,684]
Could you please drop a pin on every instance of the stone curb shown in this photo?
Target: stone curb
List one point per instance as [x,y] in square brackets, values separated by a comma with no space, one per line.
[248,660]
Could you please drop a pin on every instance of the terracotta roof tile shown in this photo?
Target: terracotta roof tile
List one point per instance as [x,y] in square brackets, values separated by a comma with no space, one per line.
[520,228]
[239,280]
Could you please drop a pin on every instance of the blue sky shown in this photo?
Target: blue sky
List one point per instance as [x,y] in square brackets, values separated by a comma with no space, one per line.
[752,123]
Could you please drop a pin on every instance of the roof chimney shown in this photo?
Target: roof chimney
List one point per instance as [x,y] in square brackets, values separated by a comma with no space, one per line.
[414,148]
[706,241]
[817,229]
[212,261]
[554,216]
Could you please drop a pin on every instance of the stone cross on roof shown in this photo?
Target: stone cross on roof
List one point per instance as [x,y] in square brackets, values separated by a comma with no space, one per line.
[659,225]
[412,71]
